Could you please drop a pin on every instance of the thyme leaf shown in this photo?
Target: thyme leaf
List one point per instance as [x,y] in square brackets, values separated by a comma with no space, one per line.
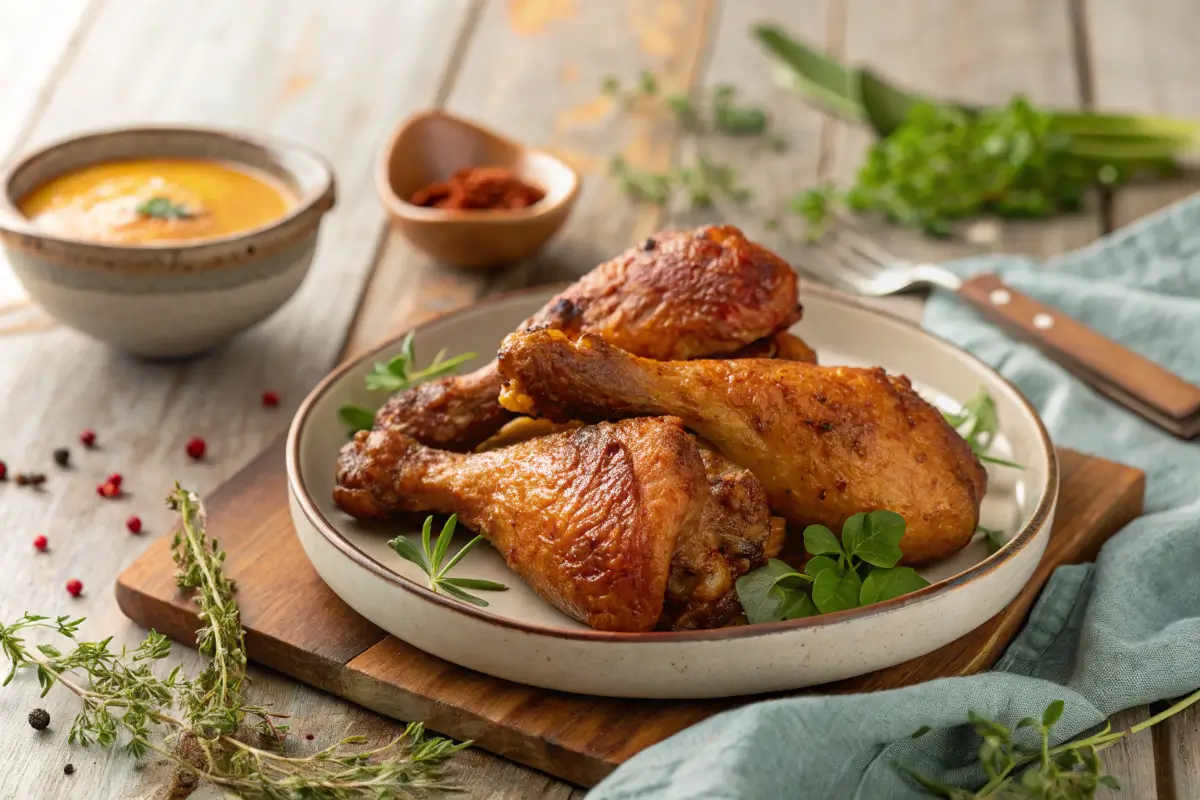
[124,704]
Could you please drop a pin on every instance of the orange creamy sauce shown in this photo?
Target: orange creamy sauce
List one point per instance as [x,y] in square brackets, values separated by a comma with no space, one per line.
[149,200]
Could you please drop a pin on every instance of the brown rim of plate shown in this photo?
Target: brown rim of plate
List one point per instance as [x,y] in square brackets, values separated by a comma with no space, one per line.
[1017,543]
[319,199]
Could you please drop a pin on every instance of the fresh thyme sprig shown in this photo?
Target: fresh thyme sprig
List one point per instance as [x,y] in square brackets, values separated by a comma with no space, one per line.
[702,181]
[1070,771]
[979,423]
[202,725]
[429,559]
[397,374]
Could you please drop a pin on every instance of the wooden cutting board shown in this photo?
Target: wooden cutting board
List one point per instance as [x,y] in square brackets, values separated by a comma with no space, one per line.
[296,625]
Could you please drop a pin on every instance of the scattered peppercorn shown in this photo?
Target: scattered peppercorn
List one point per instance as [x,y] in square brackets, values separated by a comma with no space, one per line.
[134,524]
[648,245]
[30,478]
[41,542]
[115,479]
[270,399]
[74,587]
[196,447]
[62,457]
[69,769]
[309,736]
[3,471]
[39,719]
[88,438]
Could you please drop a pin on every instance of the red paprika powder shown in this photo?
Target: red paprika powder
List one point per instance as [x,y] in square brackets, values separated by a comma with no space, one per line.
[478,188]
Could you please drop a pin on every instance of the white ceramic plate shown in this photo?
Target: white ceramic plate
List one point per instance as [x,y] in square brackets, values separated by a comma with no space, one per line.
[521,638]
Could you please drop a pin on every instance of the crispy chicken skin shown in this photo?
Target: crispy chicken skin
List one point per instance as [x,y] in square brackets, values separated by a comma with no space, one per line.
[618,525]
[678,295]
[826,442]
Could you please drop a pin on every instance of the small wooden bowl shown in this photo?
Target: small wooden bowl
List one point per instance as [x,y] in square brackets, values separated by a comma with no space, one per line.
[432,146]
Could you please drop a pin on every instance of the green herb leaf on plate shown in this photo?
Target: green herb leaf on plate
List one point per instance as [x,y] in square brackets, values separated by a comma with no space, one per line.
[429,558]
[357,417]
[409,552]
[798,606]
[877,540]
[885,584]
[818,564]
[819,540]
[833,592]
[757,592]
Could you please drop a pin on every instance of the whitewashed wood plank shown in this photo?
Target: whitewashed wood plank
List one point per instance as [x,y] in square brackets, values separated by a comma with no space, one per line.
[1131,761]
[34,37]
[737,60]
[1144,59]
[35,42]
[542,87]
[335,76]
[1177,749]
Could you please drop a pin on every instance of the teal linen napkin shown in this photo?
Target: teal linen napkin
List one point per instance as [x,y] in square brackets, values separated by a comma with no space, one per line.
[1104,637]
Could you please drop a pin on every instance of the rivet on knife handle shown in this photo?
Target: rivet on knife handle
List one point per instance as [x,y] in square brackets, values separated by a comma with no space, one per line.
[1067,340]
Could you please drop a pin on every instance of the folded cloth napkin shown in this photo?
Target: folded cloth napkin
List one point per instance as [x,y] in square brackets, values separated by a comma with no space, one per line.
[1102,637]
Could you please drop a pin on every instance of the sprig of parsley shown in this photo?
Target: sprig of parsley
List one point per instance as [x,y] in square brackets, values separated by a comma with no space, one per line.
[978,423]
[1070,771]
[429,559]
[396,375]
[161,207]
[857,570]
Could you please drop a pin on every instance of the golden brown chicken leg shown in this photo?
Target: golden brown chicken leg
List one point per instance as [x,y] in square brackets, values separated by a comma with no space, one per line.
[678,295]
[623,526]
[827,442]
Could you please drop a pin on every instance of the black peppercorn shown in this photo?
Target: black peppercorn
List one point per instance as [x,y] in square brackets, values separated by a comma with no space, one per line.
[62,457]
[648,245]
[69,769]
[39,719]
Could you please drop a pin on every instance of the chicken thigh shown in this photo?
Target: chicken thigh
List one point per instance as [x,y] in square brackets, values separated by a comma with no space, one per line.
[826,442]
[678,295]
[625,526]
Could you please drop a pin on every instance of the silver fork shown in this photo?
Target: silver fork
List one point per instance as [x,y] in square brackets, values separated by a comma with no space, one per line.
[848,260]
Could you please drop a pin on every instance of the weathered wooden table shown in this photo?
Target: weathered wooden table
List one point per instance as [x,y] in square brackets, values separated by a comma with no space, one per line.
[339,76]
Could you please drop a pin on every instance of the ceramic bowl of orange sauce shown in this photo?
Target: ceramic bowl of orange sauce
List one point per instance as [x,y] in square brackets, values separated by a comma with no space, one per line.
[163,242]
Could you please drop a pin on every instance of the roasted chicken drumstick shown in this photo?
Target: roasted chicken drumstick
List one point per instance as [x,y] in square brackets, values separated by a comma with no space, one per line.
[826,442]
[625,526]
[678,295]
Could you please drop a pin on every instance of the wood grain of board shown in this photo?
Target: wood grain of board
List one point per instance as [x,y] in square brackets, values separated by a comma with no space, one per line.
[296,625]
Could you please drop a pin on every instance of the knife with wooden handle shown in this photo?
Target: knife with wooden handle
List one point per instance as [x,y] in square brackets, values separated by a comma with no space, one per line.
[1112,369]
